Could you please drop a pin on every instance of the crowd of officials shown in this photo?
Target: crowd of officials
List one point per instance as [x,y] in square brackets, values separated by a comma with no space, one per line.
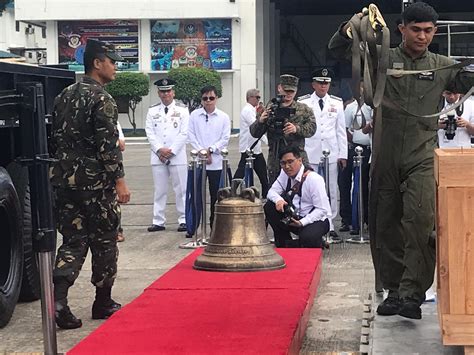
[88,175]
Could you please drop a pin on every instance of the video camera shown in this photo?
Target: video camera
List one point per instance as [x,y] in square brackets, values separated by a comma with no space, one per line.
[279,115]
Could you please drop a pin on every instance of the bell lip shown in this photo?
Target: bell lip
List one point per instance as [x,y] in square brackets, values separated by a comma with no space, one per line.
[221,269]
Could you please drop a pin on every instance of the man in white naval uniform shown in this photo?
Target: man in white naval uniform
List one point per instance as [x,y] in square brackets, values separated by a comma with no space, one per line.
[464,116]
[331,134]
[167,131]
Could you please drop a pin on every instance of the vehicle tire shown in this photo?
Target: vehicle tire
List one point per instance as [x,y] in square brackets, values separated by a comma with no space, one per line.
[30,284]
[11,247]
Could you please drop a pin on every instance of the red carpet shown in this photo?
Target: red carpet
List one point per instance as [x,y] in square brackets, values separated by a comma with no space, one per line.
[200,312]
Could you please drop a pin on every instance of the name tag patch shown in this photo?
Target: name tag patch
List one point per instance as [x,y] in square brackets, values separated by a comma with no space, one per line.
[427,75]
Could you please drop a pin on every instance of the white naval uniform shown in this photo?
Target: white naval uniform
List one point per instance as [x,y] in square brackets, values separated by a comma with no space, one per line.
[461,138]
[330,134]
[168,130]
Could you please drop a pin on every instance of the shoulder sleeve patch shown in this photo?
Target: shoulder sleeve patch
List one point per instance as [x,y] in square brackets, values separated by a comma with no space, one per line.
[109,109]
[335,98]
[304,97]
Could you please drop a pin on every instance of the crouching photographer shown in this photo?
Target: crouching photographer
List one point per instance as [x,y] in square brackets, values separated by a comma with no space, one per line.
[298,203]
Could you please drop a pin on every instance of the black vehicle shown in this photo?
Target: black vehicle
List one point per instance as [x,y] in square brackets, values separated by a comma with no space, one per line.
[26,225]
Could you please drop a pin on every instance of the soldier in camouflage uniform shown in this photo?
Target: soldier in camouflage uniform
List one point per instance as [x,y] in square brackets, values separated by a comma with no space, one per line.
[402,196]
[296,127]
[88,180]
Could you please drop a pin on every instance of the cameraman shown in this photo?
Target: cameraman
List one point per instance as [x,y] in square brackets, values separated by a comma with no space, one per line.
[298,124]
[464,122]
[298,203]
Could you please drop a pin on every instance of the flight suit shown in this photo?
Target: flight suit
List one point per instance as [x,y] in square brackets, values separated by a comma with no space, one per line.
[402,199]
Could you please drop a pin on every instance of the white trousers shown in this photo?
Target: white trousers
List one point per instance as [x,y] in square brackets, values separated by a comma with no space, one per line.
[332,191]
[161,175]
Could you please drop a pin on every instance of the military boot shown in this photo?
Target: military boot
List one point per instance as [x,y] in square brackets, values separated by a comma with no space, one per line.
[410,308]
[389,307]
[64,317]
[104,306]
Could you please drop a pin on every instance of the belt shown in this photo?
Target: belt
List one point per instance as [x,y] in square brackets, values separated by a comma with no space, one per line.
[352,145]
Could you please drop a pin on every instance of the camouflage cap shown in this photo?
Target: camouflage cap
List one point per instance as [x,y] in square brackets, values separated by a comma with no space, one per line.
[95,48]
[289,82]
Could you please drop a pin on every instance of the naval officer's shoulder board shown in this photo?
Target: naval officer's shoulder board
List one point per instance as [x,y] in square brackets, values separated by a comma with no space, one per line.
[335,98]
[304,97]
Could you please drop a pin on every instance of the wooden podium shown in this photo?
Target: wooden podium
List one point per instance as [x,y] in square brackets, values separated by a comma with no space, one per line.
[454,173]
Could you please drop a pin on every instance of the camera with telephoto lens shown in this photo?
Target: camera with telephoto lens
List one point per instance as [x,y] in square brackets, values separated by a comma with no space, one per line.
[289,213]
[289,210]
[451,125]
[279,115]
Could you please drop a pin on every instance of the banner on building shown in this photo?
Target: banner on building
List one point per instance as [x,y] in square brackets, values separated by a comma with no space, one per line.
[191,43]
[73,35]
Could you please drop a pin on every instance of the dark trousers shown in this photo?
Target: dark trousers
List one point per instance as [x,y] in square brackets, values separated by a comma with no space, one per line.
[260,168]
[213,178]
[310,236]
[344,182]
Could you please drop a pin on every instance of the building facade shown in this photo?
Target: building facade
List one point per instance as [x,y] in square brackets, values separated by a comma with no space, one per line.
[248,56]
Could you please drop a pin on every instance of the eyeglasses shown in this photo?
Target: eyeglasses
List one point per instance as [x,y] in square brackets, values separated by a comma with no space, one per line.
[257,97]
[208,98]
[288,162]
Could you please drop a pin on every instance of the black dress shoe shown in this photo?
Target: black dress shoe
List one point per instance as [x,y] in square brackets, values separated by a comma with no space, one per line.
[156,228]
[410,308]
[182,227]
[334,236]
[344,228]
[104,310]
[354,232]
[66,320]
[389,307]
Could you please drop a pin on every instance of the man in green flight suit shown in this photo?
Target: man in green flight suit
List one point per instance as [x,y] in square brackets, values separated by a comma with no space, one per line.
[88,179]
[403,188]
[286,126]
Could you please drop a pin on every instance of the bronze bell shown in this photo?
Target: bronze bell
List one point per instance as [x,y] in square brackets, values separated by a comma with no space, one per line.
[238,240]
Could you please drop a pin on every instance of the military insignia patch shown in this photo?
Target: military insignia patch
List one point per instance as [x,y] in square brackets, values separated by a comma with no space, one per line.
[109,109]
[324,72]
[175,125]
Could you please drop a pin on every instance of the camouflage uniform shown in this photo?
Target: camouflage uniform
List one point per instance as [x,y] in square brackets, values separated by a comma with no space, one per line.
[305,124]
[85,143]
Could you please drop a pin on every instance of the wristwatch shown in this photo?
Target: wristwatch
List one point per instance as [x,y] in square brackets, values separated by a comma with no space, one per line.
[210,150]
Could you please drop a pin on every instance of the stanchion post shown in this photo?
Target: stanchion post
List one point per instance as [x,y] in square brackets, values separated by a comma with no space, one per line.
[325,159]
[193,167]
[203,154]
[225,166]
[360,198]
[249,165]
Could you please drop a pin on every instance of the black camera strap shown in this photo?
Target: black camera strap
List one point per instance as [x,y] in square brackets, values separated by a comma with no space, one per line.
[298,186]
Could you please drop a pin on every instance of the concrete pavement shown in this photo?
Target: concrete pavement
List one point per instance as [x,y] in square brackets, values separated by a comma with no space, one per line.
[335,320]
